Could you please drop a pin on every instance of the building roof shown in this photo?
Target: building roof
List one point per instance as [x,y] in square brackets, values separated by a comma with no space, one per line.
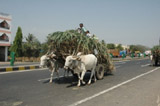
[5,16]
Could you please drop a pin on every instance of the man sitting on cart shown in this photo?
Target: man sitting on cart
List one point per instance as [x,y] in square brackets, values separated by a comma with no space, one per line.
[82,29]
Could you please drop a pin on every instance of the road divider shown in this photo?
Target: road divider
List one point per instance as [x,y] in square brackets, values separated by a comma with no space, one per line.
[19,68]
[40,69]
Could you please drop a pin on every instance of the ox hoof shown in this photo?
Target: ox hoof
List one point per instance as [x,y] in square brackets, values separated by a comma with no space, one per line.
[78,85]
[83,82]
[89,82]
[95,80]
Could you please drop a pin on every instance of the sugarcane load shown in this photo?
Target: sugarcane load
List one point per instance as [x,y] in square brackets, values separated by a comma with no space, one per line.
[73,42]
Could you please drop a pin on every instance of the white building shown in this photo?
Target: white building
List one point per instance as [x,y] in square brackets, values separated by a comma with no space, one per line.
[125,47]
[5,35]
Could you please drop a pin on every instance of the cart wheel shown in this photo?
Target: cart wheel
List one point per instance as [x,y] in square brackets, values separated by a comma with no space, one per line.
[100,71]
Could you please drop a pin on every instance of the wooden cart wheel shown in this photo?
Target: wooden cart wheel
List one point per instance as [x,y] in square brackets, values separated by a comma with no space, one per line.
[100,71]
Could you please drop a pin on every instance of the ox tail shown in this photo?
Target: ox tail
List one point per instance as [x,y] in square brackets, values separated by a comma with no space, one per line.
[96,62]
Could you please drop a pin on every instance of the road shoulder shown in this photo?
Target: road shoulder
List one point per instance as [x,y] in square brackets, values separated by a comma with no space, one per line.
[144,91]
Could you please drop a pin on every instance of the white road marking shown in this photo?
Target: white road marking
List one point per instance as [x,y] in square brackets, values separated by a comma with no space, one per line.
[53,78]
[138,63]
[145,65]
[122,62]
[112,88]
[44,79]
[158,100]
[20,71]
[117,67]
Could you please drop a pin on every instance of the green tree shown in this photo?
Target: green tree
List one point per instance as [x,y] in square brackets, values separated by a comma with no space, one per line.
[44,48]
[31,48]
[17,43]
[119,47]
[140,48]
[104,43]
[157,47]
[30,38]
[111,46]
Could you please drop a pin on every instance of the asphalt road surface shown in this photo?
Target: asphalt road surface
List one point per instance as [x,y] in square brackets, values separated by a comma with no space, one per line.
[134,83]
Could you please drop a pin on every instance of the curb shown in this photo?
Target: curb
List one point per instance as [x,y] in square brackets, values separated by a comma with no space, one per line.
[18,68]
[130,59]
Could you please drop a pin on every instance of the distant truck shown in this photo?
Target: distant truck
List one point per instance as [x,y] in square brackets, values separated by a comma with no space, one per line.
[147,52]
[137,53]
[114,52]
[123,52]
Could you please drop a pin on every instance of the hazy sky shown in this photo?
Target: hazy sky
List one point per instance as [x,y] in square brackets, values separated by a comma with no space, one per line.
[116,21]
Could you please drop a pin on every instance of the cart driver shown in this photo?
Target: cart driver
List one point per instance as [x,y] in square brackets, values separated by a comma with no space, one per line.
[82,29]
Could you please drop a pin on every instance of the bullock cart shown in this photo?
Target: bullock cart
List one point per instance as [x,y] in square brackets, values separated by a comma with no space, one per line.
[71,42]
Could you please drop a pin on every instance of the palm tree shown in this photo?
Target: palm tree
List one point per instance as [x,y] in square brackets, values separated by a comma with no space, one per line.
[30,38]
[32,46]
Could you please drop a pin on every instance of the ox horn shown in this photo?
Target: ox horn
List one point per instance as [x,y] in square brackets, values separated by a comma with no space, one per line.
[76,58]
[79,54]
[47,53]
[79,59]
[52,55]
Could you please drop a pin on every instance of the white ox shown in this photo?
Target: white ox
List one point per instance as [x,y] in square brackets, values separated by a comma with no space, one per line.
[80,64]
[51,63]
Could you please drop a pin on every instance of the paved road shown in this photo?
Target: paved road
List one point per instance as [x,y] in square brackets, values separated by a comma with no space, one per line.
[133,83]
